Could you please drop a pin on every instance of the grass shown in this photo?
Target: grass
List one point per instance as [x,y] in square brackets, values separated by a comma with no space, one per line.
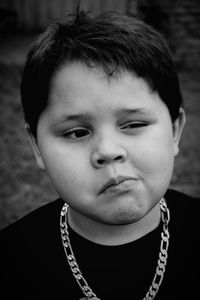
[24,187]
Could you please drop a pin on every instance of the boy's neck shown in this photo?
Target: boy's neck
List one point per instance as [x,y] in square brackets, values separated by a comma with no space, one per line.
[113,235]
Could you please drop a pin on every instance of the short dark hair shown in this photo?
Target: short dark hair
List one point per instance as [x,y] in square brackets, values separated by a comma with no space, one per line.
[112,41]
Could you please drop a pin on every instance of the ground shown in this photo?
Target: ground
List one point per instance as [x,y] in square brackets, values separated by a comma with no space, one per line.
[23,187]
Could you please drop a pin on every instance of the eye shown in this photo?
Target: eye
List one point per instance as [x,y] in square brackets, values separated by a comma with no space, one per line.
[76,134]
[133,126]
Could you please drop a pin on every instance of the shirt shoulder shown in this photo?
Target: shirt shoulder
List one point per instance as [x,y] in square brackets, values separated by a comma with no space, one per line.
[184,216]
[34,219]
[31,254]
[31,235]
[178,195]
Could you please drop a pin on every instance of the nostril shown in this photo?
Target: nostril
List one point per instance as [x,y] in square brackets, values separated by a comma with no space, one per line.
[99,160]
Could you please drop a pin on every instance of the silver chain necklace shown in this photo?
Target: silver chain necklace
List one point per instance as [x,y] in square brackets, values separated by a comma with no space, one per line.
[161,264]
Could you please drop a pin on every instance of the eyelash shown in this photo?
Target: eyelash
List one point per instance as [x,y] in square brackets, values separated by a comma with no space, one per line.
[134,125]
[69,133]
[83,132]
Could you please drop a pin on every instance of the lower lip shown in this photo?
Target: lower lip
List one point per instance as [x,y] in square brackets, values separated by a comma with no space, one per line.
[121,188]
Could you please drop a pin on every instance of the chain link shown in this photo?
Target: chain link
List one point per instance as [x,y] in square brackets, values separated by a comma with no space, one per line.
[162,259]
[71,258]
[161,264]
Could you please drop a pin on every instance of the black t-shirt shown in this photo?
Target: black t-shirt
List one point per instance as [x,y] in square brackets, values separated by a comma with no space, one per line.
[33,263]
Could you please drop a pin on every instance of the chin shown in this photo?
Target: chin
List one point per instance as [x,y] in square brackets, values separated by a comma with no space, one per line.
[123,222]
[127,221]
[122,218]
[118,222]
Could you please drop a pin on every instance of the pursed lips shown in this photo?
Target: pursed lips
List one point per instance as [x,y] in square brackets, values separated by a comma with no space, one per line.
[115,182]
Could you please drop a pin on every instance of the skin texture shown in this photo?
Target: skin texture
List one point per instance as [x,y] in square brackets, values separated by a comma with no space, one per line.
[95,130]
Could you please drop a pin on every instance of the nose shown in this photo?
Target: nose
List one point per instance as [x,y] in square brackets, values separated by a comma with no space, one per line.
[108,152]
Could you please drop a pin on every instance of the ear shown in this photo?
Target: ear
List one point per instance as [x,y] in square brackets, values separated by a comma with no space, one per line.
[178,126]
[34,146]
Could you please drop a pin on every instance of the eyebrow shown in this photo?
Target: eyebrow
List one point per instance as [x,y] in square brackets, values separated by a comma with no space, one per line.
[73,117]
[88,117]
[140,111]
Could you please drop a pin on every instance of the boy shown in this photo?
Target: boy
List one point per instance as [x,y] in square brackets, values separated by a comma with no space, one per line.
[104,115]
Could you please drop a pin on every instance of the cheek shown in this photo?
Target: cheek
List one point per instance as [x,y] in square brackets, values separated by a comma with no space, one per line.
[66,169]
[155,156]
[63,165]
[154,166]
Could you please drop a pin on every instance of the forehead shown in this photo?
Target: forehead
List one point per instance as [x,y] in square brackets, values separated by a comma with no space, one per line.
[81,75]
[76,86]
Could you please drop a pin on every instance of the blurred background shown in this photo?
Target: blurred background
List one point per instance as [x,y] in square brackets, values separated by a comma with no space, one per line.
[23,187]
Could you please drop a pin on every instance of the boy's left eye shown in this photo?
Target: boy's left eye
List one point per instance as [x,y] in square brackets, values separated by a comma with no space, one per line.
[133,125]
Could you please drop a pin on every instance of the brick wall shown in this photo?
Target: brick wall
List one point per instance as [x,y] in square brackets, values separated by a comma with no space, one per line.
[185,33]
[179,21]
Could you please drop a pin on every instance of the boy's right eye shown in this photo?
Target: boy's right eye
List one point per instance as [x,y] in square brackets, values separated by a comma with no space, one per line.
[78,133]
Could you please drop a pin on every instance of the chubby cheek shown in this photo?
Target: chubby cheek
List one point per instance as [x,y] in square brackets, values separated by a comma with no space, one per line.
[155,162]
[68,172]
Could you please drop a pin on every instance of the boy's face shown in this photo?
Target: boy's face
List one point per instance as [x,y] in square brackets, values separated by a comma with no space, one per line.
[108,146]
